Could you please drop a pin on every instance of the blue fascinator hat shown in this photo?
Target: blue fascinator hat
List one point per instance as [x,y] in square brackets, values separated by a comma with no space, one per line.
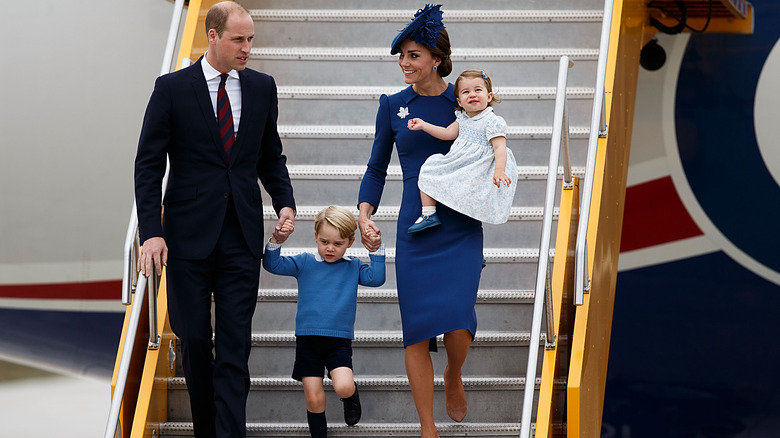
[424,28]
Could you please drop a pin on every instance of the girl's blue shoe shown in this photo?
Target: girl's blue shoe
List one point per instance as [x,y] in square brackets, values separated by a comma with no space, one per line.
[425,222]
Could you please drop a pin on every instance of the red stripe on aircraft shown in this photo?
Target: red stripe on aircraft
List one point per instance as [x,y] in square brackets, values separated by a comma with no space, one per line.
[654,214]
[96,290]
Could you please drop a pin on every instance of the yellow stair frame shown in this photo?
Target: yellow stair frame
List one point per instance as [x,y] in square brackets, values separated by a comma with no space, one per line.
[582,351]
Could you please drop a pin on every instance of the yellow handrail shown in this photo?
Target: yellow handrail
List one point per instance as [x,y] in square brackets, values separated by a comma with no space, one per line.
[556,361]
[593,323]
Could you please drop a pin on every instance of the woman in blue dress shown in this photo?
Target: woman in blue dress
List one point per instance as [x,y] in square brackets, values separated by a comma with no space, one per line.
[437,271]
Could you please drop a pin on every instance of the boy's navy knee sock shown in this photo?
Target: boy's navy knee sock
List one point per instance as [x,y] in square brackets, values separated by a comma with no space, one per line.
[318,424]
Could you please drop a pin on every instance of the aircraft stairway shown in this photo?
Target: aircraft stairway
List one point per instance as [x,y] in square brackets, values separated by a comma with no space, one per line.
[331,65]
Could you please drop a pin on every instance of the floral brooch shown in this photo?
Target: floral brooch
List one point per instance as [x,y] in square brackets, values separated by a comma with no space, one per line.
[403,112]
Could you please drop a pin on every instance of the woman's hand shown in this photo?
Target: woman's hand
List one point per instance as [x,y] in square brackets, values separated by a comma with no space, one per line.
[370,235]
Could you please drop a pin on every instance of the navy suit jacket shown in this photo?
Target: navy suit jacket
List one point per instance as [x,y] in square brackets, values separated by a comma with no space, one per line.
[180,124]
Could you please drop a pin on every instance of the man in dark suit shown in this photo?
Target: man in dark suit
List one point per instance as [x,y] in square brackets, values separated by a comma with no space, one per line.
[211,233]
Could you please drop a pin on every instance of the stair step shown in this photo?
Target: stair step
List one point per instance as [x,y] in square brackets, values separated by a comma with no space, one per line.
[367,132]
[360,430]
[391,296]
[531,150]
[402,16]
[383,398]
[492,255]
[395,338]
[394,173]
[375,383]
[379,67]
[410,6]
[507,268]
[336,92]
[377,309]
[493,353]
[383,54]
[523,227]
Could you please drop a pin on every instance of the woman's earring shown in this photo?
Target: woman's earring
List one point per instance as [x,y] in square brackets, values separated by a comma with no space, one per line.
[435,68]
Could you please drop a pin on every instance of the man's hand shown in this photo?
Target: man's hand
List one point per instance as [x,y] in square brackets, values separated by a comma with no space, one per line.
[281,235]
[285,225]
[154,250]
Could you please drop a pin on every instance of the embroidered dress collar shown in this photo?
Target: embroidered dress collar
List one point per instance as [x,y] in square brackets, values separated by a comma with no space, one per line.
[482,114]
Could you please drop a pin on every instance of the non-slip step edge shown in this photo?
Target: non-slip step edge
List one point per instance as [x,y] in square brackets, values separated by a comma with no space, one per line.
[385,339]
[451,16]
[491,255]
[309,212]
[364,429]
[391,296]
[335,92]
[352,132]
[394,173]
[379,383]
[383,54]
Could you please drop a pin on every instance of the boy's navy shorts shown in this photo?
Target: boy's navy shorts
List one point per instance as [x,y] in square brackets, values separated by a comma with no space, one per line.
[315,354]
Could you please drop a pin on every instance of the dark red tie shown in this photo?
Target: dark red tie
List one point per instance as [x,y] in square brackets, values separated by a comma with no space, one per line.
[225,117]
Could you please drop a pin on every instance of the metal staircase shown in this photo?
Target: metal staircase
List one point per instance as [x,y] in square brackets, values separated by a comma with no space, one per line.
[331,65]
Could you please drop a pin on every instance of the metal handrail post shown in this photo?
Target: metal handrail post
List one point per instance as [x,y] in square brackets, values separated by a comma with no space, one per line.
[568,179]
[549,343]
[128,260]
[543,270]
[154,331]
[597,122]
[124,362]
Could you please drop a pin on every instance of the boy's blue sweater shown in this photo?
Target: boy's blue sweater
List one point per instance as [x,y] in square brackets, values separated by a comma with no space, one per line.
[327,292]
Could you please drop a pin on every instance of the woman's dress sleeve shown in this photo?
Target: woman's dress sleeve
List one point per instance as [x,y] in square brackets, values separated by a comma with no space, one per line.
[376,172]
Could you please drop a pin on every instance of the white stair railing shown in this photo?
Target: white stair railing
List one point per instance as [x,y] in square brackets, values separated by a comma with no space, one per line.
[543,295]
[598,128]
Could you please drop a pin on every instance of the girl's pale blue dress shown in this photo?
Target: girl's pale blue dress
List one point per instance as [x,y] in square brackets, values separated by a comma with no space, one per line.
[438,271]
[463,178]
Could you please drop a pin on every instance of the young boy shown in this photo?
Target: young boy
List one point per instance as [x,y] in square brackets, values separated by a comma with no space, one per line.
[327,302]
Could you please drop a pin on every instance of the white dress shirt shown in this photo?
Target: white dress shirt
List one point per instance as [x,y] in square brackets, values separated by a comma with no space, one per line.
[232,86]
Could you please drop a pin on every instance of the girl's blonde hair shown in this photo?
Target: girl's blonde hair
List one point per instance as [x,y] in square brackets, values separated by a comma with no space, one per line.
[474,74]
[340,218]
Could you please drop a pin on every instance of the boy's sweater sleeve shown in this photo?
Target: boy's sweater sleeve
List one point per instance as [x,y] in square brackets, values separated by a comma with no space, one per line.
[275,263]
[373,274]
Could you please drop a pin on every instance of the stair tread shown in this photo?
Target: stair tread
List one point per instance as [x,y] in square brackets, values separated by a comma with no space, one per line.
[368,429]
[453,15]
[308,212]
[327,171]
[391,295]
[382,54]
[378,383]
[367,131]
[395,337]
[491,254]
[351,92]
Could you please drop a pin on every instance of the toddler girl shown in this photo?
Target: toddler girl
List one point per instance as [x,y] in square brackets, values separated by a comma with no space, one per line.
[473,177]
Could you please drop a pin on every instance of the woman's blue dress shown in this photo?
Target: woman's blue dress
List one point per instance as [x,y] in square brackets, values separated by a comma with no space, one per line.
[437,270]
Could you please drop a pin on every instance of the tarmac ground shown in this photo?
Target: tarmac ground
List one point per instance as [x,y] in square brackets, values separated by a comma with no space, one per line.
[38,404]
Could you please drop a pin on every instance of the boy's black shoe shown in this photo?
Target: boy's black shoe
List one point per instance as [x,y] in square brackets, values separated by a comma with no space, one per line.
[352,408]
